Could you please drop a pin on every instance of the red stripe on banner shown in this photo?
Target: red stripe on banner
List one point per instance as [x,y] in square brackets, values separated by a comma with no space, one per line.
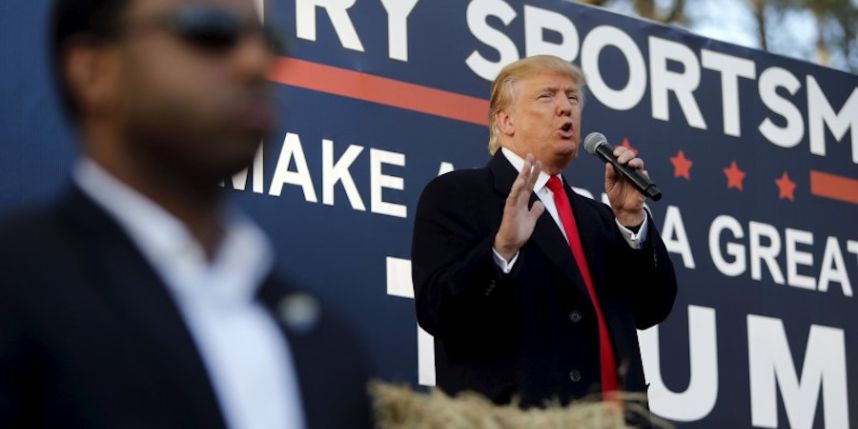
[833,186]
[376,89]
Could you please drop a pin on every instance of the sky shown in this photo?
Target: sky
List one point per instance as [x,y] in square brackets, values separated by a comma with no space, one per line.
[724,20]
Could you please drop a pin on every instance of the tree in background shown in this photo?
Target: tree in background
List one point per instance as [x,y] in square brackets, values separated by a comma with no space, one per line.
[833,40]
[836,28]
[673,13]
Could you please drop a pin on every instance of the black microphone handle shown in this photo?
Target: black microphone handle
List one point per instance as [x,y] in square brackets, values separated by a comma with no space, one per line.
[641,182]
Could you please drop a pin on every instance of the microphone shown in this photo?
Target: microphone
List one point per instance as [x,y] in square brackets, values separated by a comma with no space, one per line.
[596,144]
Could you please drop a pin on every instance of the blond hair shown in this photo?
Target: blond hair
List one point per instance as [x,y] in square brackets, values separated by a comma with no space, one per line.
[503,91]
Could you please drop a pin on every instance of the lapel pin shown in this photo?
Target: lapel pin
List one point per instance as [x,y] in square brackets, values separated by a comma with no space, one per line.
[299,311]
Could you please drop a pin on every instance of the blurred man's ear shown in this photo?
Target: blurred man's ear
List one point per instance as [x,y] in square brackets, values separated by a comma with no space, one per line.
[92,72]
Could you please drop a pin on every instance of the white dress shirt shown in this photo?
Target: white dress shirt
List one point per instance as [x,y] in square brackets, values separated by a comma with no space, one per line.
[246,356]
[545,195]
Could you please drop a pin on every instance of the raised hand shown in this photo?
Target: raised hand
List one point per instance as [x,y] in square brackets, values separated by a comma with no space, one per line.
[626,201]
[518,221]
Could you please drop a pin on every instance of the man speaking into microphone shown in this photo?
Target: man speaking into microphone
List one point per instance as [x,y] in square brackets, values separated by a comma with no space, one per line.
[530,290]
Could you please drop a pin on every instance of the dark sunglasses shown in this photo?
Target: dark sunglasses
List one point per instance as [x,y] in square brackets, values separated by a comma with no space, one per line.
[217,30]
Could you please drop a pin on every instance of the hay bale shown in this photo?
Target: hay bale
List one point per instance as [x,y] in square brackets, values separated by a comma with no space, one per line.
[399,407]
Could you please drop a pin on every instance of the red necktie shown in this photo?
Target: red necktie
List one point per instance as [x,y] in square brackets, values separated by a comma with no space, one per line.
[606,351]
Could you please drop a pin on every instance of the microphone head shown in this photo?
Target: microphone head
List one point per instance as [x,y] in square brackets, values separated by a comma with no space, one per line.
[594,140]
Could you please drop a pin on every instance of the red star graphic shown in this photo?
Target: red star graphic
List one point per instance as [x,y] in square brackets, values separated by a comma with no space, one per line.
[786,188]
[681,165]
[628,146]
[735,176]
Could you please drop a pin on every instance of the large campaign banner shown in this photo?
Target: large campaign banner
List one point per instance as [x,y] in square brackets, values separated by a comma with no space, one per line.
[756,155]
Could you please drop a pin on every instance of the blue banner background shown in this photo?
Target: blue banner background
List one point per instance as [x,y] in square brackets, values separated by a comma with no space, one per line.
[341,253]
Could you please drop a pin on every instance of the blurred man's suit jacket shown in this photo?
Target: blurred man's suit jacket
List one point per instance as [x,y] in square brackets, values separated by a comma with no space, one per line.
[90,337]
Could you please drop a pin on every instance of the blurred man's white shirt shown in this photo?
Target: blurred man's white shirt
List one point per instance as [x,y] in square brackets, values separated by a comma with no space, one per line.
[246,356]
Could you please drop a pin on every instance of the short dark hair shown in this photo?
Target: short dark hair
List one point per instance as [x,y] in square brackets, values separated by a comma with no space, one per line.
[94,19]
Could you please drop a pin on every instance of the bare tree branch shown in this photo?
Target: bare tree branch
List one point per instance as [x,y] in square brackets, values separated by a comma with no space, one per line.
[758,7]
[677,12]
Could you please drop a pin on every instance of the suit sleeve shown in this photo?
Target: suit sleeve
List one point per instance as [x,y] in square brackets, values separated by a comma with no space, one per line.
[652,280]
[457,284]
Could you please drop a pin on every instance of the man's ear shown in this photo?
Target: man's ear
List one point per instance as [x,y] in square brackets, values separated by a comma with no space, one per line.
[505,123]
[92,74]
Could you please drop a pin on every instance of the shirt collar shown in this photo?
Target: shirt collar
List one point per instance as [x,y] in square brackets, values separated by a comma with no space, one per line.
[241,261]
[518,163]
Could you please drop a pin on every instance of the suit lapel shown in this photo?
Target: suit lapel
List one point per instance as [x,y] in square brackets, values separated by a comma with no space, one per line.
[299,317]
[504,174]
[546,234]
[550,240]
[591,240]
[122,275]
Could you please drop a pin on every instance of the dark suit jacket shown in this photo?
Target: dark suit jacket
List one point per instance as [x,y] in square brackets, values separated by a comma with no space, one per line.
[531,333]
[90,338]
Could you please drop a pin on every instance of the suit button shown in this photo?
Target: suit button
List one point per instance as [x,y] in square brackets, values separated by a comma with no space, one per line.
[575,316]
[575,375]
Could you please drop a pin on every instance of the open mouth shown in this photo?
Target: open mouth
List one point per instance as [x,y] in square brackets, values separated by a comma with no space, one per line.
[566,129]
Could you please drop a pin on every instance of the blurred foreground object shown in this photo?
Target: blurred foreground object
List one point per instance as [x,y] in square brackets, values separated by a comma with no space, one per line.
[400,407]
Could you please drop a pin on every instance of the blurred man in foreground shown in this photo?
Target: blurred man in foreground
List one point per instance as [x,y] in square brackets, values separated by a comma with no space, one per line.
[530,290]
[140,299]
